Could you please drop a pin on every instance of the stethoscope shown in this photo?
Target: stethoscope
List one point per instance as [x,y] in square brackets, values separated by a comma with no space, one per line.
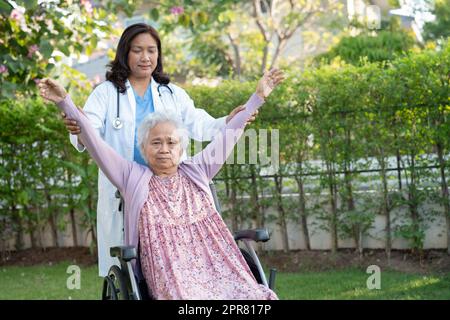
[118,123]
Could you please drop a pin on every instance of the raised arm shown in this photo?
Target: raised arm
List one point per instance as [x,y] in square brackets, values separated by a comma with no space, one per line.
[212,158]
[95,109]
[115,167]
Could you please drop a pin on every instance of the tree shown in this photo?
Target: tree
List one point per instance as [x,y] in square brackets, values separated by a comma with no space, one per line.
[36,35]
[255,33]
[440,28]
[385,46]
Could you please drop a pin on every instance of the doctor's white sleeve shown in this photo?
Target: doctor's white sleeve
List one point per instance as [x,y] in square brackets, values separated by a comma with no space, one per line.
[95,109]
[201,125]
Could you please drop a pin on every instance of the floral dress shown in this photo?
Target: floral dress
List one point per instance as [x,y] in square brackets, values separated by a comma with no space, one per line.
[186,250]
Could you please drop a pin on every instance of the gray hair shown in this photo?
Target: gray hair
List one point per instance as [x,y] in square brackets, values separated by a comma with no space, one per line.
[151,121]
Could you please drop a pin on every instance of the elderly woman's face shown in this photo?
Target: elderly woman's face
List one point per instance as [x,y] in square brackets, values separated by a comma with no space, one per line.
[163,149]
[143,56]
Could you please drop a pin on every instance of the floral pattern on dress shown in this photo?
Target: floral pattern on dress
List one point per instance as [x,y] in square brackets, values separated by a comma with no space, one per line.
[187,251]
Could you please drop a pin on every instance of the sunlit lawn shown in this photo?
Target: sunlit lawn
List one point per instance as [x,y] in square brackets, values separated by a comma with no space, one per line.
[49,282]
[351,284]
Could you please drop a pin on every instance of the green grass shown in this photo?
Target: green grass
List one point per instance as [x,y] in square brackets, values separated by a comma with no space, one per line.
[49,282]
[351,284]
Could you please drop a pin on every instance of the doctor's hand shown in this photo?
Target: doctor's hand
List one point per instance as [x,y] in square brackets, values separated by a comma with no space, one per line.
[51,90]
[71,124]
[239,109]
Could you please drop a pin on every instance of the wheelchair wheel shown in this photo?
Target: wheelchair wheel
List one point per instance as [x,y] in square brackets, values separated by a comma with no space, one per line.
[115,285]
[109,290]
[252,265]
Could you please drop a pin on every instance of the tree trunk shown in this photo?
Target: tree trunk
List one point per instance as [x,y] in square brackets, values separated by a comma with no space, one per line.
[54,231]
[52,222]
[92,225]
[280,46]
[333,205]
[281,212]
[399,170]
[385,210]
[302,211]
[265,57]
[73,221]
[32,234]
[74,227]
[237,58]
[233,198]
[254,198]
[444,191]
[39,227]
[19,229]
[258,217]
[413,205]
[357,228]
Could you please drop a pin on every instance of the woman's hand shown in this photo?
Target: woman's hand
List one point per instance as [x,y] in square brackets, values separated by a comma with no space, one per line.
[51,90]
[265,86]
[268,82]
[71,125]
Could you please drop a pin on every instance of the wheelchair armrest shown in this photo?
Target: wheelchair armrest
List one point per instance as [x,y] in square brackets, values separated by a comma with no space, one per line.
[258,235]
[125,253]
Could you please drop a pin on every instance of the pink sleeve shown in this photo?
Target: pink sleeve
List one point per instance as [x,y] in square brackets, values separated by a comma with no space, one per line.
[212,158]
[115,167]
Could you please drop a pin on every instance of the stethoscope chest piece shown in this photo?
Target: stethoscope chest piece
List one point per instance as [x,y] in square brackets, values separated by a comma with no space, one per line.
[117,123]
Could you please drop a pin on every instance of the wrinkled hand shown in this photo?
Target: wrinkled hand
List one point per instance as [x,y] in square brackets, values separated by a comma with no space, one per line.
[268,82]
[239,109]
[51,90]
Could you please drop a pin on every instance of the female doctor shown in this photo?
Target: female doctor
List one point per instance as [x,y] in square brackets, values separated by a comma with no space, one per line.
[136,86]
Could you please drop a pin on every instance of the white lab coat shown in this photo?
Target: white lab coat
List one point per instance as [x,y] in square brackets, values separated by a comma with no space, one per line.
[101,109]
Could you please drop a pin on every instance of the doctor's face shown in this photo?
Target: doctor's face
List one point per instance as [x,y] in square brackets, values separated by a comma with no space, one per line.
[163,150]
[143,56]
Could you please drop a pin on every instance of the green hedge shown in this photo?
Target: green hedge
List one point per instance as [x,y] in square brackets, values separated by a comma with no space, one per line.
[359,116]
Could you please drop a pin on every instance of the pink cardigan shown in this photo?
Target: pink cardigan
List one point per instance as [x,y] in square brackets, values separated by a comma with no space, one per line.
[132,178]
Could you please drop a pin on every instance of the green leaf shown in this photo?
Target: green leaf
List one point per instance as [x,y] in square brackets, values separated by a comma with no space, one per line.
[154,14]
[5,8]
[184,20]
[203,17]
[45,48]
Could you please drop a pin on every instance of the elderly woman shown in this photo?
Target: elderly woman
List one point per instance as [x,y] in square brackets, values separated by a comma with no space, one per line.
[186,250]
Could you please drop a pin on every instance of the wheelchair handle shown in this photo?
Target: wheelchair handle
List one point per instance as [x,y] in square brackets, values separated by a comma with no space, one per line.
[212,187]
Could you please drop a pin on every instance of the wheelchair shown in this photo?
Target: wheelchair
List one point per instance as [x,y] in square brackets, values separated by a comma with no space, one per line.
[122,284]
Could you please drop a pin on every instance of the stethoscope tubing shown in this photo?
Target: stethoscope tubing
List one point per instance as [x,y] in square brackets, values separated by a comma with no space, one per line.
[117,123]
